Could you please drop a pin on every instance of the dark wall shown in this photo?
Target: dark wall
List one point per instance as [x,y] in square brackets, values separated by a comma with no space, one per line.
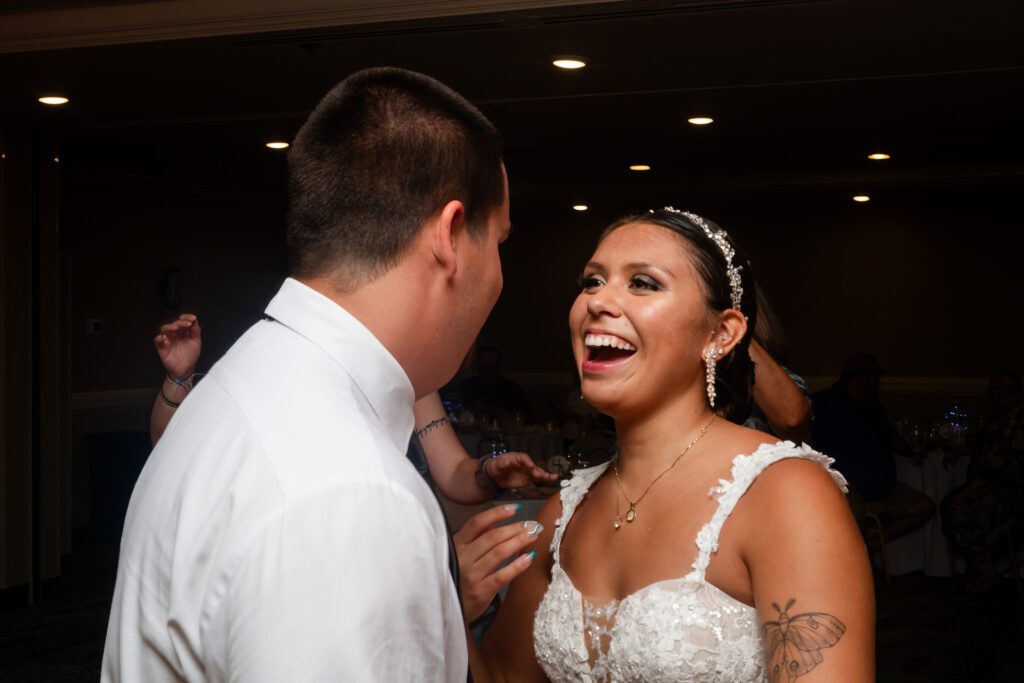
[926,278]
[134,213]
[930,281]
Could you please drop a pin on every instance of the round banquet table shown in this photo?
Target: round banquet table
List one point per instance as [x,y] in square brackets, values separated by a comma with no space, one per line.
[926,549]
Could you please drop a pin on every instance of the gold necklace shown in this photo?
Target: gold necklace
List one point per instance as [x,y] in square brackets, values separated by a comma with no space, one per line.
[631,513]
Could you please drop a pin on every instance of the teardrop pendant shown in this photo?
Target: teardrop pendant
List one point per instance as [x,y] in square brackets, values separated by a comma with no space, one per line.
[631,515]
[618,523]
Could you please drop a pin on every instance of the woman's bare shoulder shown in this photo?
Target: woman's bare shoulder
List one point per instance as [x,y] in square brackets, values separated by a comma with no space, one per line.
[739,440]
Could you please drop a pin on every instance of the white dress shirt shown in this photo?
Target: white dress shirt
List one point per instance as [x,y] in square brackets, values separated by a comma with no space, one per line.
[278,532]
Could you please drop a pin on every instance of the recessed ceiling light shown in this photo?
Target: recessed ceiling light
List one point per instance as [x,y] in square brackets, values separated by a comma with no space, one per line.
[53,100]
[569,62]
[861,198]
[277,145]
[640,167]
[700,120]
[879,156]
[580,207]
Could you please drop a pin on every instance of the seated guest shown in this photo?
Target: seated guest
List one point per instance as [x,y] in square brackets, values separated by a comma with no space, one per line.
[851,426]
[978,514]
[490,392]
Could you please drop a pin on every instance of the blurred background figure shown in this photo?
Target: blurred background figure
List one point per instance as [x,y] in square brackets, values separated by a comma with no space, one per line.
[851,426]
[978,515]
[489,393]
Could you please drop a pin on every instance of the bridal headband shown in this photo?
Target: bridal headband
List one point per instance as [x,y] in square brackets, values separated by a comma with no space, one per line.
[720,238]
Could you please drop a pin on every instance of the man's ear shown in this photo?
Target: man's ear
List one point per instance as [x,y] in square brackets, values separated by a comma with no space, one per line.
[447,234]
[729,329]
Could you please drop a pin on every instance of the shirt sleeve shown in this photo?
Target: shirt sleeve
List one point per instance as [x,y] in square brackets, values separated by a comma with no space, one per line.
[349,584]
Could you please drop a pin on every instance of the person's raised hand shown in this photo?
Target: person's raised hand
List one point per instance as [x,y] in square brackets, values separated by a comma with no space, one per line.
[482,548]
[178,346]
[515,470]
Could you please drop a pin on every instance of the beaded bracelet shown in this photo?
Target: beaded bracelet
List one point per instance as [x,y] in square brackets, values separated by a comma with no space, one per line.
[187,382]
[483,480]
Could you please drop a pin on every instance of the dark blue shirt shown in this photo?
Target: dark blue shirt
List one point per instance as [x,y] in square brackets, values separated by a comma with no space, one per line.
[859,437]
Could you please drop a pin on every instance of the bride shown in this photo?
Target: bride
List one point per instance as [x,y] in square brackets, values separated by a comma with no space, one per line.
[642,574]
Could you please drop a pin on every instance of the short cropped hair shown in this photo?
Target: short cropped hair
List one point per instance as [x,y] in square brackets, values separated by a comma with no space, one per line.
[382,152]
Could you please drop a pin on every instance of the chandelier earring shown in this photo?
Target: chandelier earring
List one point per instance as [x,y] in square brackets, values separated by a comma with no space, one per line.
[710,362]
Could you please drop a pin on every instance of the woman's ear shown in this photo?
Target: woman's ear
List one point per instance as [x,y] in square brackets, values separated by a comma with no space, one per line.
[729,328]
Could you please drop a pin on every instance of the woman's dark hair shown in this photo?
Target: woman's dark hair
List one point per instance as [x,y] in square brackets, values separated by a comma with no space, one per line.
[383,151]
[734,379]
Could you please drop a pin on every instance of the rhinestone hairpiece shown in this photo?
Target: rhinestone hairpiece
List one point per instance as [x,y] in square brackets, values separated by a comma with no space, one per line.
[720,238]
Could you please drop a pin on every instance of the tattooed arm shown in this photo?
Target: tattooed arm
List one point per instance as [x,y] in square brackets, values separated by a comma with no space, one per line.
[810,576]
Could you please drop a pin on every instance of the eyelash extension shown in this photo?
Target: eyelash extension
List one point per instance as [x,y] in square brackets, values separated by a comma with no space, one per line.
[586,282]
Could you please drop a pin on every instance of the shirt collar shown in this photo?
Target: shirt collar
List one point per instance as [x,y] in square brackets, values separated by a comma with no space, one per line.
[349,343]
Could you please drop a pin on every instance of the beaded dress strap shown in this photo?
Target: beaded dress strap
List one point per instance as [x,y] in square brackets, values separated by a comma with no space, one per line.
[745,469]
[573,491]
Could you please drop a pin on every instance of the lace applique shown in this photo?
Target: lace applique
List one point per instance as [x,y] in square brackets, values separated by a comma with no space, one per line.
[573,492]
[745,469]
[597,629]
[679,629]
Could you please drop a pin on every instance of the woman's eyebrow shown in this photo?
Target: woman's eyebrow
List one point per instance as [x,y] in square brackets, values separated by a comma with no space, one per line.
[644,265]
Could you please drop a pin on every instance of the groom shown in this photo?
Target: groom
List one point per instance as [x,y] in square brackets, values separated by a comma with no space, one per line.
[277,532]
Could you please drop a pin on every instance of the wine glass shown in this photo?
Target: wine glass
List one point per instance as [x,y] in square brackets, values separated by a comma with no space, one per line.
[492,442]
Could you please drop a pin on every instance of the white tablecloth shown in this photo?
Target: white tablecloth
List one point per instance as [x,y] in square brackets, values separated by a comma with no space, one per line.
[927,549]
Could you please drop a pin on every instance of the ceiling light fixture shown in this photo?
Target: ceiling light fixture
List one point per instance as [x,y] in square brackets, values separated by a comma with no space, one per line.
[569,62]
[700,120]
[861,198]
[53,100]
[879,156]
[580,207]
[640,167]
[278,145]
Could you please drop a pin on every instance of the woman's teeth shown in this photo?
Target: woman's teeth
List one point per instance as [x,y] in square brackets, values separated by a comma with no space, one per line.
[603,340]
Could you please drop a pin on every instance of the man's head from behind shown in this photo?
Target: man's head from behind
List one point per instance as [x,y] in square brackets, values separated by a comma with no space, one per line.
[383,151]
[398,200]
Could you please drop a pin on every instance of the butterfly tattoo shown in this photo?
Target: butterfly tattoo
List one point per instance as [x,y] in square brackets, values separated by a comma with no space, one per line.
[793,644]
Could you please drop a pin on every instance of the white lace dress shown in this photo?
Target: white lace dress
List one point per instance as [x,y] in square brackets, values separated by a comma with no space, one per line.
[675,630]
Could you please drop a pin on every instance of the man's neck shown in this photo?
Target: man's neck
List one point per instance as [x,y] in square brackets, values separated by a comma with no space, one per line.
[392,309]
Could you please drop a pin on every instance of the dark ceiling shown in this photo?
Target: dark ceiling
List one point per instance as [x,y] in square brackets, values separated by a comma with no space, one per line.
[801,91]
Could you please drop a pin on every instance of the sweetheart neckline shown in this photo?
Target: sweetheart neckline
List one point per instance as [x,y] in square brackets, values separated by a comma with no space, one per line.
[689,578]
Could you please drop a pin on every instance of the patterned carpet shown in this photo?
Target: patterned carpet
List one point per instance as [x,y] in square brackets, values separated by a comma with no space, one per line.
[929,630]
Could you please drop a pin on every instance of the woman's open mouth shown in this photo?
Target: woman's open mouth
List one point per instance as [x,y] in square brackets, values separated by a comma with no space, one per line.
[605,351]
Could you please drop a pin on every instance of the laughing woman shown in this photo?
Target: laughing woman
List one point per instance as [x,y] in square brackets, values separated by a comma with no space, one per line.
[644,575]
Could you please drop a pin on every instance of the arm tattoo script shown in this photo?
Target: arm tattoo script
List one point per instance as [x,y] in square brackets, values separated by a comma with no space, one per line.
[792,645]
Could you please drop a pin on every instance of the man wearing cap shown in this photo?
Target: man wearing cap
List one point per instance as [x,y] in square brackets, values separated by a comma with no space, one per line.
[851,426]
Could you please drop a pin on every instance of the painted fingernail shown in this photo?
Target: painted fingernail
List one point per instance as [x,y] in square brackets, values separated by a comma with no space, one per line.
[513,507]
[530,555]
[533,528]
